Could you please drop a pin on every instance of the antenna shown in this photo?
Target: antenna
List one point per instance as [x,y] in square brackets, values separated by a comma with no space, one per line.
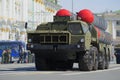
[72,6]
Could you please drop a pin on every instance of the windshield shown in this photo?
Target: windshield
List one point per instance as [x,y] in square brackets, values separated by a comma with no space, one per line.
[85,28]
[75,28]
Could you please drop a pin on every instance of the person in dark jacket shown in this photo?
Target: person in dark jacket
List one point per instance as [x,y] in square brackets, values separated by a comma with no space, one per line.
[6,56]
[117,54]
[21,54]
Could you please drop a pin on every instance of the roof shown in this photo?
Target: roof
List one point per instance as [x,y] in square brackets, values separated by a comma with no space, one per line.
[112,16]
[13,42]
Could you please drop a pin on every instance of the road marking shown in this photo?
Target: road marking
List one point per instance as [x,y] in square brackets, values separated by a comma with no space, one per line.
[77,73]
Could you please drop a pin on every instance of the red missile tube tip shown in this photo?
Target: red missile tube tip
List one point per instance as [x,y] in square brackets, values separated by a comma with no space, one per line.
[86,15]
[98,31]
[63,12]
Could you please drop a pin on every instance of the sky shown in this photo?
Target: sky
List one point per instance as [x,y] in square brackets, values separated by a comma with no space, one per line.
[96,6]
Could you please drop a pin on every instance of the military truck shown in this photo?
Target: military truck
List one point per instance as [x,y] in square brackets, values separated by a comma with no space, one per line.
[59,44]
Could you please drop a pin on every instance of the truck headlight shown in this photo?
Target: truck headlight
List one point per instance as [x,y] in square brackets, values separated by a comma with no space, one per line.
[32,46]
[82,40]
[78,46]
[29,40]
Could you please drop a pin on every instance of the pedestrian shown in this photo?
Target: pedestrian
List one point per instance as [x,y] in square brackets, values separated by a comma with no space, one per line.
[25,54]
[6,56]
[9,55]
[29,56]
[117,54]
[21,54]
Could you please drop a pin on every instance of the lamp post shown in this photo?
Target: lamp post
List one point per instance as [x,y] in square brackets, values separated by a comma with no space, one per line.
[72,6]
[33,12]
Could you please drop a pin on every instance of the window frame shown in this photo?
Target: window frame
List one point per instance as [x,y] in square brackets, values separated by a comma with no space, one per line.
[118,33]
[118,22]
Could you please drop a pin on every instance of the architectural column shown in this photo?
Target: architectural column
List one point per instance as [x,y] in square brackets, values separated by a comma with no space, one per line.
[114,30]
[0,9]
[4,9]
[25,10]
[10,8]
[13,10]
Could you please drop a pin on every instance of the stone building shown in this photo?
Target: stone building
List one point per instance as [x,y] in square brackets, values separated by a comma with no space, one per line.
[113,27]
[113,23]
[113,20]
[15,13]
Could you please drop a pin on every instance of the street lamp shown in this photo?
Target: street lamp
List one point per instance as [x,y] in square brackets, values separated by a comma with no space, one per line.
[72,6]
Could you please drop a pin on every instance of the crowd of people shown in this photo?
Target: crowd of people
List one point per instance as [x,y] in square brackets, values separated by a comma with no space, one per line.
[6,58]
[25,56]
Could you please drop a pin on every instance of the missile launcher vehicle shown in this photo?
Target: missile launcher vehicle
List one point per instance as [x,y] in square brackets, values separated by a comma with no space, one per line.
[59,44]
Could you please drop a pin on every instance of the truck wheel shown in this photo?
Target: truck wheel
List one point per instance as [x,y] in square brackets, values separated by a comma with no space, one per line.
[69,65]
[60,65]
[107,62]
[96,58]
[40,63]
[51,65]
[101,64]
[64,65]
[86,61]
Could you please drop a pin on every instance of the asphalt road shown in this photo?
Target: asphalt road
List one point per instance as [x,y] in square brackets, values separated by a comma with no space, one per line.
[28,72]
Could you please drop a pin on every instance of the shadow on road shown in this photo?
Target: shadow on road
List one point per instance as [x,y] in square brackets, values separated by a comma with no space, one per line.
[20,69]
[32,69]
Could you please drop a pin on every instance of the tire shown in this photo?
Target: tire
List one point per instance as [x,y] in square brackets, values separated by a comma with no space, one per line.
[51,65]
[64,65]
[101,64]
[106,62]
[86,61]
[40,64]
[95,67]
[69,65]
[61,65]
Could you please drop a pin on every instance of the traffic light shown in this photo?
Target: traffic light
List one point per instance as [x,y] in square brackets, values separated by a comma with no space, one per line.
[26,25]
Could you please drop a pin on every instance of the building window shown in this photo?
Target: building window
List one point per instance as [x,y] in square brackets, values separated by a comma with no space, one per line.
[118,22]
[118,33]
